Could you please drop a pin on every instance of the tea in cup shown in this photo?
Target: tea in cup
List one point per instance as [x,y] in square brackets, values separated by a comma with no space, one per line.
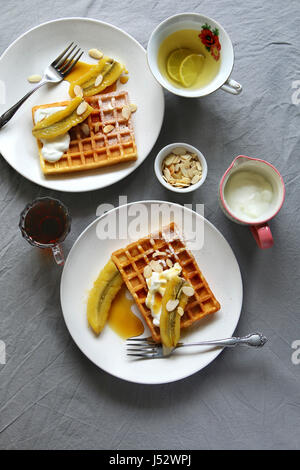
[45,223]
[191,55]
[251,193]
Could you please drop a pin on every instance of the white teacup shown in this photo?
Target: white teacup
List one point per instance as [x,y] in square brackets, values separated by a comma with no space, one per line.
[194,21]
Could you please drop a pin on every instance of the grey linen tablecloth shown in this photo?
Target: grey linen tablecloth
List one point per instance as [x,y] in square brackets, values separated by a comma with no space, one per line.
[51,396]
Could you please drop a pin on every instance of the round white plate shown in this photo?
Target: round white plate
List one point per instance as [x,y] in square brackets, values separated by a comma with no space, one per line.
[88,256]
[31,53]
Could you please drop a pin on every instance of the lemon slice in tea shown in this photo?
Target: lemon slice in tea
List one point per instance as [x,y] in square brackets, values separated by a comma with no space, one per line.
[190,68]
[174,62]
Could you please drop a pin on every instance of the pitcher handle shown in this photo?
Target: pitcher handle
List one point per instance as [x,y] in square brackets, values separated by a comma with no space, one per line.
[231,86]
[262,235]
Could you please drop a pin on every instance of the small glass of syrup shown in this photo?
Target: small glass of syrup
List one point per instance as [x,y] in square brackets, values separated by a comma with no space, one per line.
[45,223]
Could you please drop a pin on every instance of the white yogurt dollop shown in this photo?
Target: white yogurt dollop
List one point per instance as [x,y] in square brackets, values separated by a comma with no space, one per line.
[156,288]
[53,149]
[248,194]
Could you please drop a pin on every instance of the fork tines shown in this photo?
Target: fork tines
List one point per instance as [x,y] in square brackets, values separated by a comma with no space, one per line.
[141,347]
[65,62]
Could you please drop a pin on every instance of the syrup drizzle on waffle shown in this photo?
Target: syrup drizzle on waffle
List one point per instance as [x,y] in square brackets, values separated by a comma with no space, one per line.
[132,260]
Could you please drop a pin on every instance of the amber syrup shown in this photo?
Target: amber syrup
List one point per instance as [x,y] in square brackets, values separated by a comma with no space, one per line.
[46,222]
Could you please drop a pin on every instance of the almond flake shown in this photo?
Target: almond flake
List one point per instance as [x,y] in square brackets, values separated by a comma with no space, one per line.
[95,54]
[97,127]
[180,311]
[107,129]
[34,78]
[169,159]
[85,129]
[133,107]
[169,262]
[171,305]
[186,157]
[82,108]
[192,172]
[78,91]
[184,172]
[167,174]
[158,253]
[152,241]
[195,179]
[126,112]
[179,151]
[99,80]
[188,291]
[147,272]
[185,180]
[156,266]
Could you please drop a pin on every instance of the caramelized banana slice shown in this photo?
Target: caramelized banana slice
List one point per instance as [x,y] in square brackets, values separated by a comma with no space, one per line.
[59,123]
[105,288]
[105,73]
[170,318]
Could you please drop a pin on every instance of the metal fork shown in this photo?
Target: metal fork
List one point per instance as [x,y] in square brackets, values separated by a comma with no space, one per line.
[148,348]
[54,73]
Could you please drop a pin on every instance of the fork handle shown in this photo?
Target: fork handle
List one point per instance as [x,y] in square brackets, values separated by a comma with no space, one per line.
[11,111]
[256,340]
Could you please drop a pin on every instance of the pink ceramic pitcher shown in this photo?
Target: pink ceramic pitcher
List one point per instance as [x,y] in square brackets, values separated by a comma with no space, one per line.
[259,228]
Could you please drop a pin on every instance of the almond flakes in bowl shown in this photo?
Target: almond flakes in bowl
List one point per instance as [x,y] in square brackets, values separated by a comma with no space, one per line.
[181,168]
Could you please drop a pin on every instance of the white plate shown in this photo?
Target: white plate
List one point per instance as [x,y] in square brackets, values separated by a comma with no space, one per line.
[31,53]
[88,256]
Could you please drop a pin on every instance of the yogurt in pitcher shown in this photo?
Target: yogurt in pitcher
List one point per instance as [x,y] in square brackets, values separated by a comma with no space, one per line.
[248,195]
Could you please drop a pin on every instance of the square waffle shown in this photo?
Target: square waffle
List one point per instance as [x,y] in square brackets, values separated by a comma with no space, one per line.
[98,149]
[132,260]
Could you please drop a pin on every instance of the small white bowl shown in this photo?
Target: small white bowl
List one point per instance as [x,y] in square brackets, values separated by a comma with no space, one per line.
[166,151]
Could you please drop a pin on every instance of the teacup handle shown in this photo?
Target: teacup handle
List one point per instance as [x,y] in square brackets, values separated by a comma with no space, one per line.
[262,235]
[231,86]
[58,254]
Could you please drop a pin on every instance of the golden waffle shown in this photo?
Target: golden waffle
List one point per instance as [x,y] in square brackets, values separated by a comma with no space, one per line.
[132,260]
[98,149]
